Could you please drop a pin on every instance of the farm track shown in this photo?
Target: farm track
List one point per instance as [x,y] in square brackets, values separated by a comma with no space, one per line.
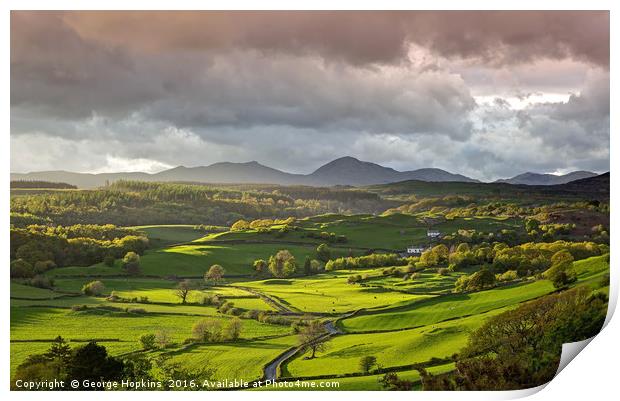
[270,300]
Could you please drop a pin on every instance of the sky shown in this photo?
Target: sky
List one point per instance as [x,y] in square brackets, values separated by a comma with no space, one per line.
[484,94]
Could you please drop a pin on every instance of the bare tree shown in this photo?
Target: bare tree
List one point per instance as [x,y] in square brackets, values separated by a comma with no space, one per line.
[313,336]
[183,289]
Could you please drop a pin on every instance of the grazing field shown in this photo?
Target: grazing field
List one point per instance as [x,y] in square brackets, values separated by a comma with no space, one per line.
[96,270]
[195,260]
[164,235]
[400,318]
[329,293]
[30,292]
[47,323]
[241,360]
[391,349]
[428,282]
[356,383]
[457,305]
[447,307]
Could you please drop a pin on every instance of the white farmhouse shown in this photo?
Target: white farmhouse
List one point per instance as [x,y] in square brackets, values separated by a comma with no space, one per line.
[415,249]
[433,234]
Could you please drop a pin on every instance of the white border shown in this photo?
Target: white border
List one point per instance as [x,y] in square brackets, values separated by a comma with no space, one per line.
[592,375]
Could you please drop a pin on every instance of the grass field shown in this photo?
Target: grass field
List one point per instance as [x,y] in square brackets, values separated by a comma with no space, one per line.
[447,307]
[399,321]
[242,360]
[355,383]
[457,305]
[30,292]
[47,323]
[195,260]
[164,235]
[391,349]
[329,293]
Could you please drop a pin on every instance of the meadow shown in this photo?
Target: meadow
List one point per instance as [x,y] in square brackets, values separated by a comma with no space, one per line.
[400,319]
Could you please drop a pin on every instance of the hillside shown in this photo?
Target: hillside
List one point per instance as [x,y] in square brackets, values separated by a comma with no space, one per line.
[547,179]
[596,187]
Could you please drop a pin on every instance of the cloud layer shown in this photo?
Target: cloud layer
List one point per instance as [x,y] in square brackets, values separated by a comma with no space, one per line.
[488,94]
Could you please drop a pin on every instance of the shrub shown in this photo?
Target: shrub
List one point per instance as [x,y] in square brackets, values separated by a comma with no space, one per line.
[163,338]
[147,341]
[131,263]
[443,271]
[207,330]
[42,266]
[509,275]
[232,332]
[41,282]
[140,311]
[94,288]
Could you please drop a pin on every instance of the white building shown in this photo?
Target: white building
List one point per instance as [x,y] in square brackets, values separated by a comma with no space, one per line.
[433,233]
[415,249]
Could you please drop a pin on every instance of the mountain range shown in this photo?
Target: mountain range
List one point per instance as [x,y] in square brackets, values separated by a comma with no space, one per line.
[343,171]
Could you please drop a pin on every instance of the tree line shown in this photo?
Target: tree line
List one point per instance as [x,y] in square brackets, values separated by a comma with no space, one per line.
[36,248]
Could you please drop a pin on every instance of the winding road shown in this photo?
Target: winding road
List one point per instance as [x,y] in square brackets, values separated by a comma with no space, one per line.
[271,370]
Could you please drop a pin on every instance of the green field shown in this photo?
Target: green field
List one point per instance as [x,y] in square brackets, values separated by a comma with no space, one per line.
[329,293]
[457,305]
[391,349]
[354,383]
[165,235]
[401,321]
[30,292]
[241,360]
[195,260]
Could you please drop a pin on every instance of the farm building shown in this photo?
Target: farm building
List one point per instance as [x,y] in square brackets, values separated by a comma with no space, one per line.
[415,249]
[433,233]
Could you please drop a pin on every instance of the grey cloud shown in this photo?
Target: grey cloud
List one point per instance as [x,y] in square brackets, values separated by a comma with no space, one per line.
[281,91]
[497,37]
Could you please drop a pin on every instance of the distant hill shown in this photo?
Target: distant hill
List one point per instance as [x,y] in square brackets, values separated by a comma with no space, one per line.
[547,179]
[596,187]
[350,171]
[342,171]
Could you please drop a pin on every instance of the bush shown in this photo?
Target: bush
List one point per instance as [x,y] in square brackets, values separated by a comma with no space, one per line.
[207,330]
[232,332]
[147,341]
[443,271]
[140,311]
[42,266]
[131,263]
[94,288]
[509,275]
[41,282]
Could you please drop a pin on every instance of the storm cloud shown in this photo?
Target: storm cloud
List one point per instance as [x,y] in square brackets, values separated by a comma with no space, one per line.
[486,94]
